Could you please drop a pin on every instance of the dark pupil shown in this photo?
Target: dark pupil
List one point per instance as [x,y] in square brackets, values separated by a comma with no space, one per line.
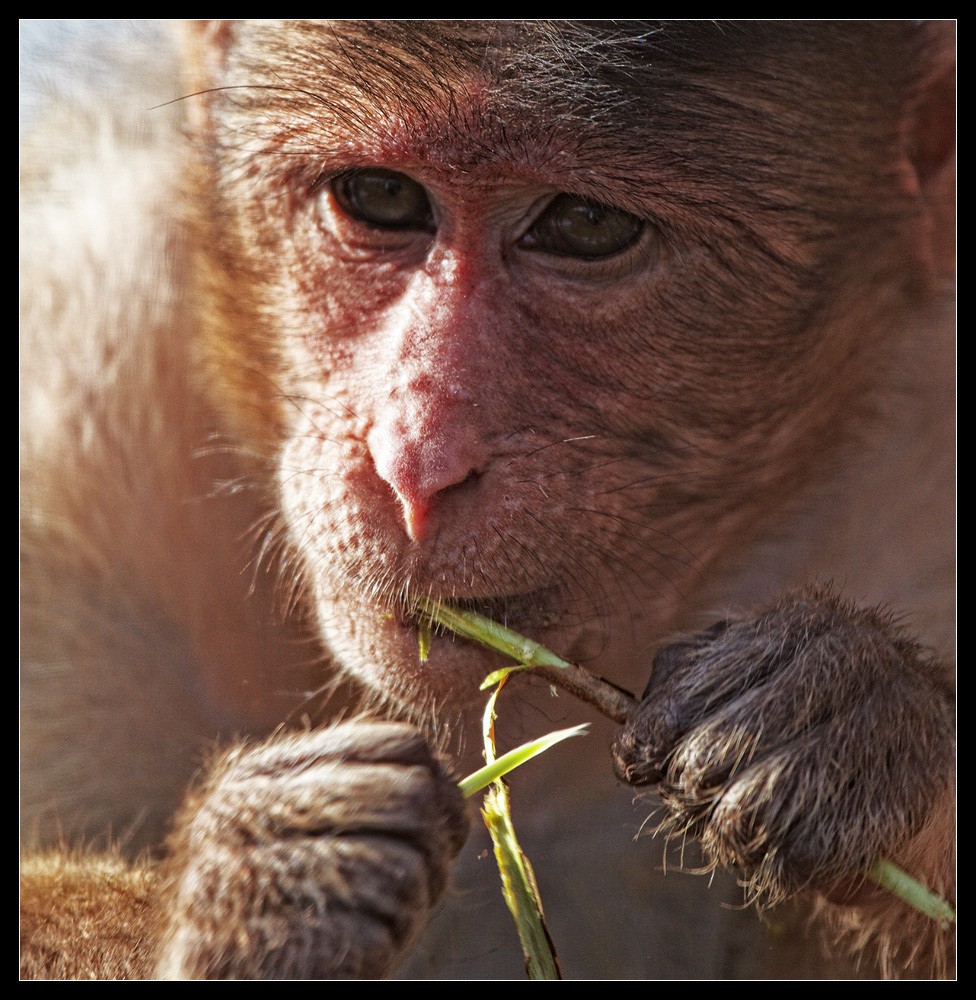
[385,199]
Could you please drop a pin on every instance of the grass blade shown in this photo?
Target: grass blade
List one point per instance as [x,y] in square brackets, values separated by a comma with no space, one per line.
[519,887]
[484,776]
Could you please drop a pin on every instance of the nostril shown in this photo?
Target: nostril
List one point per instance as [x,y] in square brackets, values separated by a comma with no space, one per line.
[469,481]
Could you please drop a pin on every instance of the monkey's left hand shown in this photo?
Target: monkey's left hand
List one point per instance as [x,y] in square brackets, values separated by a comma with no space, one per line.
[314,855]
[798,744]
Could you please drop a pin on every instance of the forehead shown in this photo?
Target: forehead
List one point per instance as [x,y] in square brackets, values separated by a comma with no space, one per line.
[557,102]
[621,101]
[445,96]
[410,85]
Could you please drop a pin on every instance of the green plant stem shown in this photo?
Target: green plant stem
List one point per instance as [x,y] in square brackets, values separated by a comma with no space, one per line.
[519,887]
[614,702]
[618,705]
[489,633]
[889,875]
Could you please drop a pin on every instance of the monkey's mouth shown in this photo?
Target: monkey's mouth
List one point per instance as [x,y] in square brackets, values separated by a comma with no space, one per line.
[531,609]
[377,635]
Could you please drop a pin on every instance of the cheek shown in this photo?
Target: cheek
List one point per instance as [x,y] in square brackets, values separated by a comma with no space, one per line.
[331,500]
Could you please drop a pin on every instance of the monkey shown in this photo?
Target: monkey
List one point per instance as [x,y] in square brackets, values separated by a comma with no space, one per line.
[636,336]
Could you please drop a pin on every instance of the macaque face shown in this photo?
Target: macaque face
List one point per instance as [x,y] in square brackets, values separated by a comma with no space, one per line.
[518,357]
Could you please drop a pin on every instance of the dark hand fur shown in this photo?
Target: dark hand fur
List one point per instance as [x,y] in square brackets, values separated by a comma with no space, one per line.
[800,744]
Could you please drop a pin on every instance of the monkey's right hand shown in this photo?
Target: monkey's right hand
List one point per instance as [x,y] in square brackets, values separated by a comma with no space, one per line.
[312,856]
[799,744]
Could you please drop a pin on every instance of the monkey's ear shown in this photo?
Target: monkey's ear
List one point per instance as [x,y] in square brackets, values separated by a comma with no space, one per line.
[930,138]
[204,45]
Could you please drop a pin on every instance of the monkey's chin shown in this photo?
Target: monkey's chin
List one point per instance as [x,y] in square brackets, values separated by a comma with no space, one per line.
[381,649]
[379,645]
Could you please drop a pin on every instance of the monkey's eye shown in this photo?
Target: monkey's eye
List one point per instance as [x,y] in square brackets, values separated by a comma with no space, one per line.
[575,227]
[384,199]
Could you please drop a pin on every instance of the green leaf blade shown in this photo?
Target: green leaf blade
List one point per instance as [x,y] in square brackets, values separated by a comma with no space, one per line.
[514,758]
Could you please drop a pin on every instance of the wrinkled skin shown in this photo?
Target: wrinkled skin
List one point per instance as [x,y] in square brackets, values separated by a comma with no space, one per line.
[606,331]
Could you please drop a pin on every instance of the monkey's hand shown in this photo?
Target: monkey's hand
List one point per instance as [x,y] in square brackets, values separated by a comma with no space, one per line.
[312,856]
[800,745]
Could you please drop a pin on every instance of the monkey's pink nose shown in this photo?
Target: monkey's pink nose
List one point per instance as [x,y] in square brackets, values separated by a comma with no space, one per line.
[420,462]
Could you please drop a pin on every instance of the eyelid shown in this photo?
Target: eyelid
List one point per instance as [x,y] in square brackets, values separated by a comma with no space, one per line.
[536,238]
[381,198]
[326,178]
